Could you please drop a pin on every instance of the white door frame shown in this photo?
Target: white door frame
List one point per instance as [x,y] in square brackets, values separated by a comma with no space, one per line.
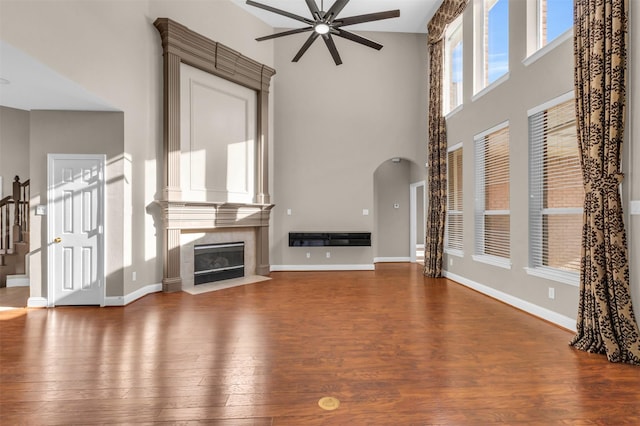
[413,215]
[51,158]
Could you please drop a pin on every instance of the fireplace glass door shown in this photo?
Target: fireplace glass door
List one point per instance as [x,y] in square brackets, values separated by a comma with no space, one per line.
[217,262]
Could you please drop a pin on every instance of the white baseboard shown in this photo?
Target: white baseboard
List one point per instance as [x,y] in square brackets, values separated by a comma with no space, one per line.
[42,302]
[391,259]
[37,302]
[362,267]
[546,314]
[131,297]
[17,281]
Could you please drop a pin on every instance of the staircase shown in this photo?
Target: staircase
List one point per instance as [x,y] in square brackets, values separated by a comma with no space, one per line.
[14,235]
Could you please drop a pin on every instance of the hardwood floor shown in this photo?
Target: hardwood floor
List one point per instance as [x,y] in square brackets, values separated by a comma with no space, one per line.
[13,297]
[393,347]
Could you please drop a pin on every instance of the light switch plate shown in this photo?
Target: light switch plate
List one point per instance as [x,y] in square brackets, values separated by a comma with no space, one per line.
[635,207]
[41,210]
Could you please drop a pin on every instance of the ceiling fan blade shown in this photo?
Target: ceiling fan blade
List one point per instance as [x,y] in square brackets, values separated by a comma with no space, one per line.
[313,8]
[285,33]
[332,48]
[352,20]
[335,9]
[280,12]
[305,46]
[358,39]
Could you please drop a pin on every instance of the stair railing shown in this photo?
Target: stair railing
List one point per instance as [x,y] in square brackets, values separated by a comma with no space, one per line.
[16,207]
[5,228]
[21,197]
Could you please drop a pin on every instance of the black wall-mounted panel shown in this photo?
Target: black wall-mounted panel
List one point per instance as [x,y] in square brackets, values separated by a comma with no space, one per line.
[332,239]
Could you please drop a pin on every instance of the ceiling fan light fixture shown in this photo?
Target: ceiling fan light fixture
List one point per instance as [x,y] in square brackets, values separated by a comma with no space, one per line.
[326,25]
[321,28]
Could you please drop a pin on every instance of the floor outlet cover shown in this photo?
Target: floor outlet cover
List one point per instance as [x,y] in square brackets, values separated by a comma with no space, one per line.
[329,403]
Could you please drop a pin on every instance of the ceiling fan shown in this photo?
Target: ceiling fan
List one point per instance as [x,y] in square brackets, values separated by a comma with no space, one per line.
[326,24]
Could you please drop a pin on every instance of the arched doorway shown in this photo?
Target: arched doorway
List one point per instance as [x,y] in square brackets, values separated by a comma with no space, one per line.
[399,206]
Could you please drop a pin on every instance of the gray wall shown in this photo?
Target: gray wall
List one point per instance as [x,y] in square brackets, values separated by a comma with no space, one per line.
[14,147]
[334,125]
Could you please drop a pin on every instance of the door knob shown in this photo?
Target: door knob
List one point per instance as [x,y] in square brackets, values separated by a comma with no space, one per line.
[57,240]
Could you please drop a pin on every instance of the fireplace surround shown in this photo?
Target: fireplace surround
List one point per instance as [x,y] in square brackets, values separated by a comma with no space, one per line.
[180,219]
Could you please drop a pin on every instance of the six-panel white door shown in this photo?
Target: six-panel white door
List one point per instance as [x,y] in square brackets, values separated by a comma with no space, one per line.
[76,241]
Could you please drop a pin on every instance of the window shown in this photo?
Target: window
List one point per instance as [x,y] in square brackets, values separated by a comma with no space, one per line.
[556,190]
[492,41]
[452,96]
[492,217]
[453,240]
[555,17]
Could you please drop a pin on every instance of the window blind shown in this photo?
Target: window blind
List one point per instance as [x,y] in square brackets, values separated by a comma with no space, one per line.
[454,200]
[556,190]
[492,217]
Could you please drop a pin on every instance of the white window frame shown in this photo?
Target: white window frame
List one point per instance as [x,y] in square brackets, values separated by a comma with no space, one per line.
[537,212]
[539,26]
[480,210]
[455,251]
[481,82]
[535,48]
[452,29]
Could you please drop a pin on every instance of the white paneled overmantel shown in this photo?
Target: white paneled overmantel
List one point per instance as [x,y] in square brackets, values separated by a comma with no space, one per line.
[217,138]
[216,127]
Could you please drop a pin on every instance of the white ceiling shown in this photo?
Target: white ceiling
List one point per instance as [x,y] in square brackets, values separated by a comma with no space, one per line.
[414,14]
[28,84]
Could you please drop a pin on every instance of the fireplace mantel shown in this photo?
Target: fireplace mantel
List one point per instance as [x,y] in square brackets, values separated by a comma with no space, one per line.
[207,216]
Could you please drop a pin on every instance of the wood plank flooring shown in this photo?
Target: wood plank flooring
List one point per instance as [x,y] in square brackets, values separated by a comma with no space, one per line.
[13,297]
[393,347]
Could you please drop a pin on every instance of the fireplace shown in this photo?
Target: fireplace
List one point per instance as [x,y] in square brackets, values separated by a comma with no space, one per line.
[200,212]
[217,262]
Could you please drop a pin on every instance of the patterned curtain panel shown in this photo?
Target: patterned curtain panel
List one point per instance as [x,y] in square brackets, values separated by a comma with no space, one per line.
[437,178]
[606,323]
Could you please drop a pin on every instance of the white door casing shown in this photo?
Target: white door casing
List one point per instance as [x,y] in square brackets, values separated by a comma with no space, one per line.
[414,208]
[76,188]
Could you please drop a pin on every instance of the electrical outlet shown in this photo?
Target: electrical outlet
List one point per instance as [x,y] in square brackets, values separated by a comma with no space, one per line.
[134,276]
[288,212]
[365,212]
[308,255]
[328,254]
[552,293]
[450,261]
